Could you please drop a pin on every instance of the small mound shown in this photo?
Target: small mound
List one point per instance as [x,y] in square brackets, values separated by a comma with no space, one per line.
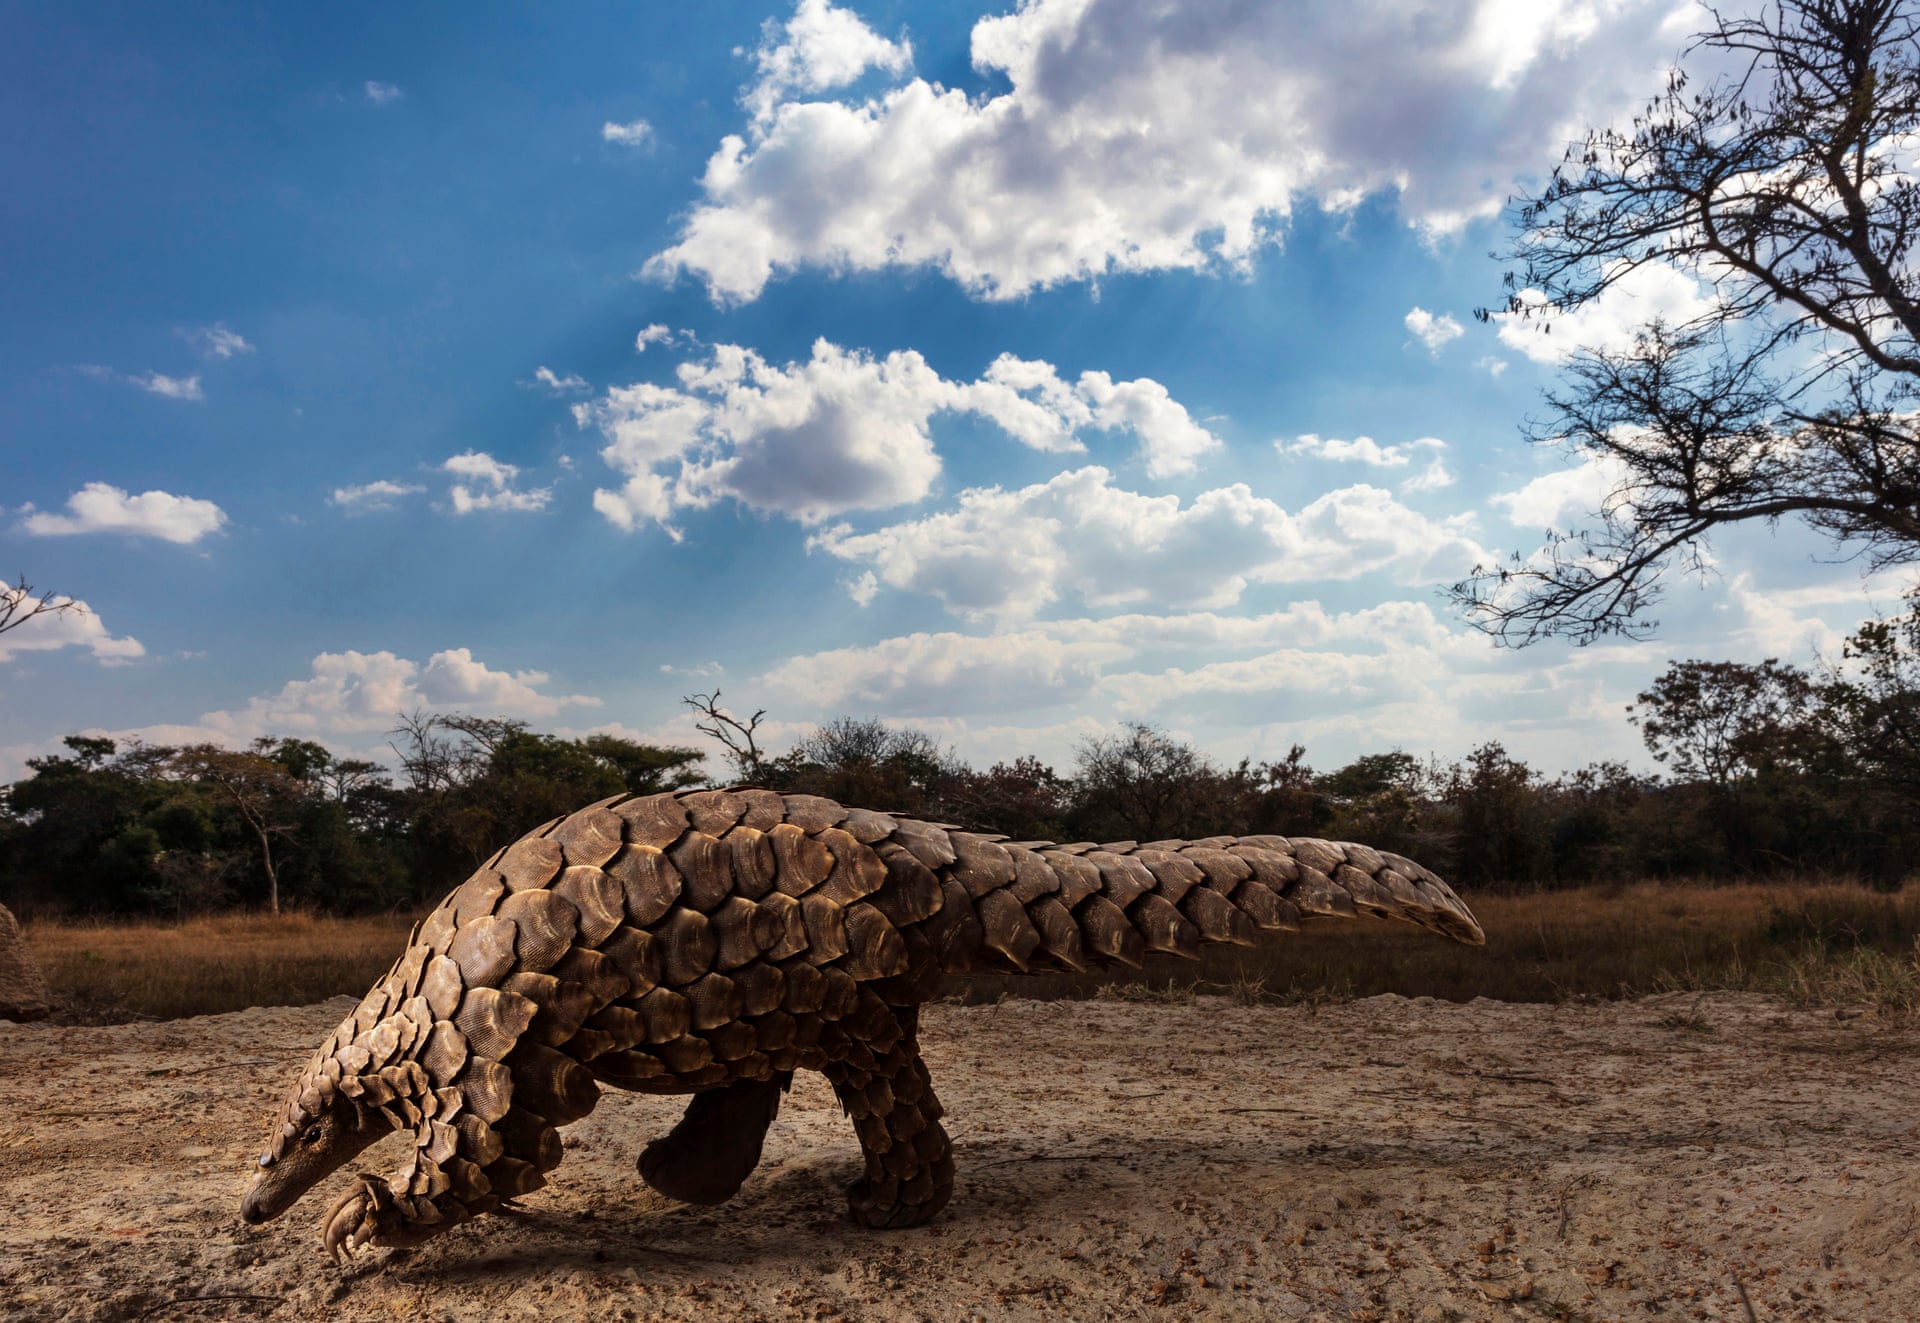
[24,994]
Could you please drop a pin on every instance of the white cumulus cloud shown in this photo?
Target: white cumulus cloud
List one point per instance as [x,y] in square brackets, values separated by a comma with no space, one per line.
[79,626]
[1128,136]
[100,507]
[846,430]
[154,383]
[1609,323]
[1361,450]
[352,694]
[173,388]
[370,496]
[570,384]
[820,48]
[943,674]
[216,341]
[487,484]
[1009,554]
[1565,496]
[381,93]
[1432,478]
[637,133]
[1433,332]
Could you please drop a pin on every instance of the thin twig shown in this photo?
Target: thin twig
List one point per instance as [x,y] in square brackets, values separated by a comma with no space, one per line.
[1745,1303]
[151,1310]
[224,1065]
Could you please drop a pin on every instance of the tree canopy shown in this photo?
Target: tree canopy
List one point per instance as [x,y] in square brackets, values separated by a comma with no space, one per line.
[1775,171]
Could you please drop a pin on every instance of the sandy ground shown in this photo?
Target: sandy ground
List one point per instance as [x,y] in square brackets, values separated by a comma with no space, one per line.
[1383,1160]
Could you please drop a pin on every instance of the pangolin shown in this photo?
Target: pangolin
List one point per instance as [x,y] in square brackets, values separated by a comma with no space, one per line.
[713,942]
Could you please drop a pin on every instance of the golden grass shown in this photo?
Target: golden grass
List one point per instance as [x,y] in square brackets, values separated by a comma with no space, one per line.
[110,971]
[1815,943]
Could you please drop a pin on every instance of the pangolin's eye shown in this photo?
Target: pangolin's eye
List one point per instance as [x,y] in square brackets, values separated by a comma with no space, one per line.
[312,1136]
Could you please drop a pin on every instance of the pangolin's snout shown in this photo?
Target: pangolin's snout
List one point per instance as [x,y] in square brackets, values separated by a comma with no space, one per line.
[254,1207]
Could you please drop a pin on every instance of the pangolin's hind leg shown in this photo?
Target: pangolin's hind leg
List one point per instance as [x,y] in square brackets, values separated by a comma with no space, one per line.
[890,1097]
[709,1155]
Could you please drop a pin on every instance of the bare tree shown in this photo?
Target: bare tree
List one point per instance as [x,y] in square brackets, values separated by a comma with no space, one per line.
[1785,188]
[735,735]
[18,604]
[433,760]
[1153,783]
[261,790]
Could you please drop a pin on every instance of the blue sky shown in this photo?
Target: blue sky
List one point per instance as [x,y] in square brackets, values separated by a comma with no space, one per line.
[1009,372]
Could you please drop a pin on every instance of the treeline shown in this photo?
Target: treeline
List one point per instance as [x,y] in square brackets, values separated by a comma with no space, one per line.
[1773,771]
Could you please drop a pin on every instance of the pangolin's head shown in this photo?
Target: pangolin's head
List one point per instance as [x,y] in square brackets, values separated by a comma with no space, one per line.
[319,1130]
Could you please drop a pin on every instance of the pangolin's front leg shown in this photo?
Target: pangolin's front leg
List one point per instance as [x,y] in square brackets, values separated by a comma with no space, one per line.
[884,1086]
[457,1171]
[708,1156]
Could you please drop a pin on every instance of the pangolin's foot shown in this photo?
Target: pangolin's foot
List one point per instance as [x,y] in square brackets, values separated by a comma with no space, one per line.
[907,1185]
[709,1155]
[370,1215]
[884,1086]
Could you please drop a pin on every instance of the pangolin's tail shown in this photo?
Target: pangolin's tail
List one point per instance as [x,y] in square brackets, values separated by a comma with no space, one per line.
[1034,904]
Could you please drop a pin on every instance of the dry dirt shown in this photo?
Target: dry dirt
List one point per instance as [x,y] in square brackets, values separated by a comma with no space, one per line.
[1385,1159]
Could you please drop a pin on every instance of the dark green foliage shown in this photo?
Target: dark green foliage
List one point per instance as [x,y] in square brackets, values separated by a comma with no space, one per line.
[1776,771]
[864,761]
[147,828]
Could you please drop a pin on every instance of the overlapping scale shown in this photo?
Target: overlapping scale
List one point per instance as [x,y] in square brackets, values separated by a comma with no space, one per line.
[1216,918]
[484,948]
[487,1087]
[547,925]
[706,866]
[686,946]
[857,871]
[529,1138]
[826,929]
[552,1084]
[765,809]
[493,1020]
[532,861]
[599,901]
[667,1014]
[738,933]
[1173,875]
[444,1054]
[477,896]
[713,1001]
[801,862]
[752,861]
[441,987]
[637,955]
[812,813]
[480,1143]
[874,947]
[590,837]
[653,820]
[648,881]
[598,972]
[714,812]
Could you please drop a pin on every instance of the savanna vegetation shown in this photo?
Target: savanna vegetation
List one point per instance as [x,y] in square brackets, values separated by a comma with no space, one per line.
[1770,854]
[1771,771]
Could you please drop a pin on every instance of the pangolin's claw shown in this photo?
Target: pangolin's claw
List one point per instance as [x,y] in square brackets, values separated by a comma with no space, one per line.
[355,1219]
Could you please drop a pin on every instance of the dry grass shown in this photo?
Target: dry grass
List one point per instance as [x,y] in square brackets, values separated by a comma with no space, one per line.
[115,971]
[1819,943]
[1822,944]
